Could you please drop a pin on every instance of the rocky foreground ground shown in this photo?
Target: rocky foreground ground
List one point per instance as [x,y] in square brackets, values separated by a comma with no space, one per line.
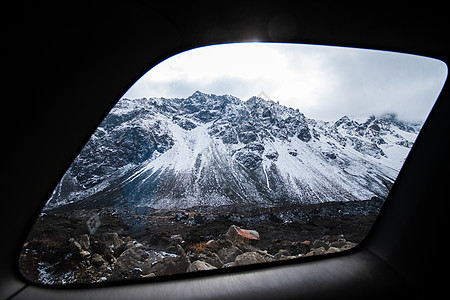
[143,242]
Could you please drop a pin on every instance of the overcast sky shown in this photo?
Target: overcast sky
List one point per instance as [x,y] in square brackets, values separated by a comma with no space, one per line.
[323,82]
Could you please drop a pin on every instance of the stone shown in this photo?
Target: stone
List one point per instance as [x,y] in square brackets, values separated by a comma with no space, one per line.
[333,250]
[84,242]
[249,258]
[282,257]
[298,247]
[320,243]
[237,234]
[105,270]
[97,260]
[339,242]
[281,253]
[348,245]
[208,257]
[134,262]
[265,254]
[229,254]
[85,254]
[171,265]
[111,244]
[319,251]
[199,265]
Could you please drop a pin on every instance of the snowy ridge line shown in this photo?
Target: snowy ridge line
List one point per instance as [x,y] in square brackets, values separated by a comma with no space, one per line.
[219,150]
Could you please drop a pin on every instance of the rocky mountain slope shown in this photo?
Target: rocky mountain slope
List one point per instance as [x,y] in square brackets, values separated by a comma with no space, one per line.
[219,150]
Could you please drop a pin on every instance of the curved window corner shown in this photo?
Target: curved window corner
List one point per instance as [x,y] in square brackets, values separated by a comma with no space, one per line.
[231,155]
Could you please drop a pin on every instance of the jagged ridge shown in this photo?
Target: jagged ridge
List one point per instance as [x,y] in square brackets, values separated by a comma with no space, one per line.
[220,150]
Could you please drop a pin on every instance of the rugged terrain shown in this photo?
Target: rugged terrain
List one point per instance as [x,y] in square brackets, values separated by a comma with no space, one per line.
[146,242]
[219,150]
[161,182]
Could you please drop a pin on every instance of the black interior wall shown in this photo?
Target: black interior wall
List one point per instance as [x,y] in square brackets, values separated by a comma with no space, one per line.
[67,64]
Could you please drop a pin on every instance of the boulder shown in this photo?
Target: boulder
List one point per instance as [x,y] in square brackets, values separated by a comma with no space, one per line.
[109,245]
[208,257]
[237,234]
[249,258]
[134,262]
[229,254]
[171,265]
[199,265]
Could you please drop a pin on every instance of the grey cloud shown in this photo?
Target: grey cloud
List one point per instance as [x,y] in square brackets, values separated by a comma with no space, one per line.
[360,83]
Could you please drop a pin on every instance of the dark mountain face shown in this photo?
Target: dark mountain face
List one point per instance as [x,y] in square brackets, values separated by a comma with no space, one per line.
[218,150]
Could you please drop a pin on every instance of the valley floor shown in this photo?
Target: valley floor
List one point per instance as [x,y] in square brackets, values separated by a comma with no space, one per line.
[133,243]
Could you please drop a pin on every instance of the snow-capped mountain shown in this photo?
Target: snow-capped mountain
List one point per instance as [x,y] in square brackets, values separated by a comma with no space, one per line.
[219,150]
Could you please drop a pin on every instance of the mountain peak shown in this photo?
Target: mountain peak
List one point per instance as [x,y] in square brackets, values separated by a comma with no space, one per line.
[341,121]
[219,150]
[264,96]
[198,93]
[389,117]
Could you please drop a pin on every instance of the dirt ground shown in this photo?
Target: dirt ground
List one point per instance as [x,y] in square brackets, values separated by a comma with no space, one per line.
[50,245]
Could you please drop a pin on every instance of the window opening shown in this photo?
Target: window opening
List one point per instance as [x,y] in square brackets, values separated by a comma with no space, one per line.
[192,171]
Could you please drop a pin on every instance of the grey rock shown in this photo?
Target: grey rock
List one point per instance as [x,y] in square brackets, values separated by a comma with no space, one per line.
[84,242]
[134,262]
[199,265]
[209,257]
[97,260]
[249,258]
[229,254]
